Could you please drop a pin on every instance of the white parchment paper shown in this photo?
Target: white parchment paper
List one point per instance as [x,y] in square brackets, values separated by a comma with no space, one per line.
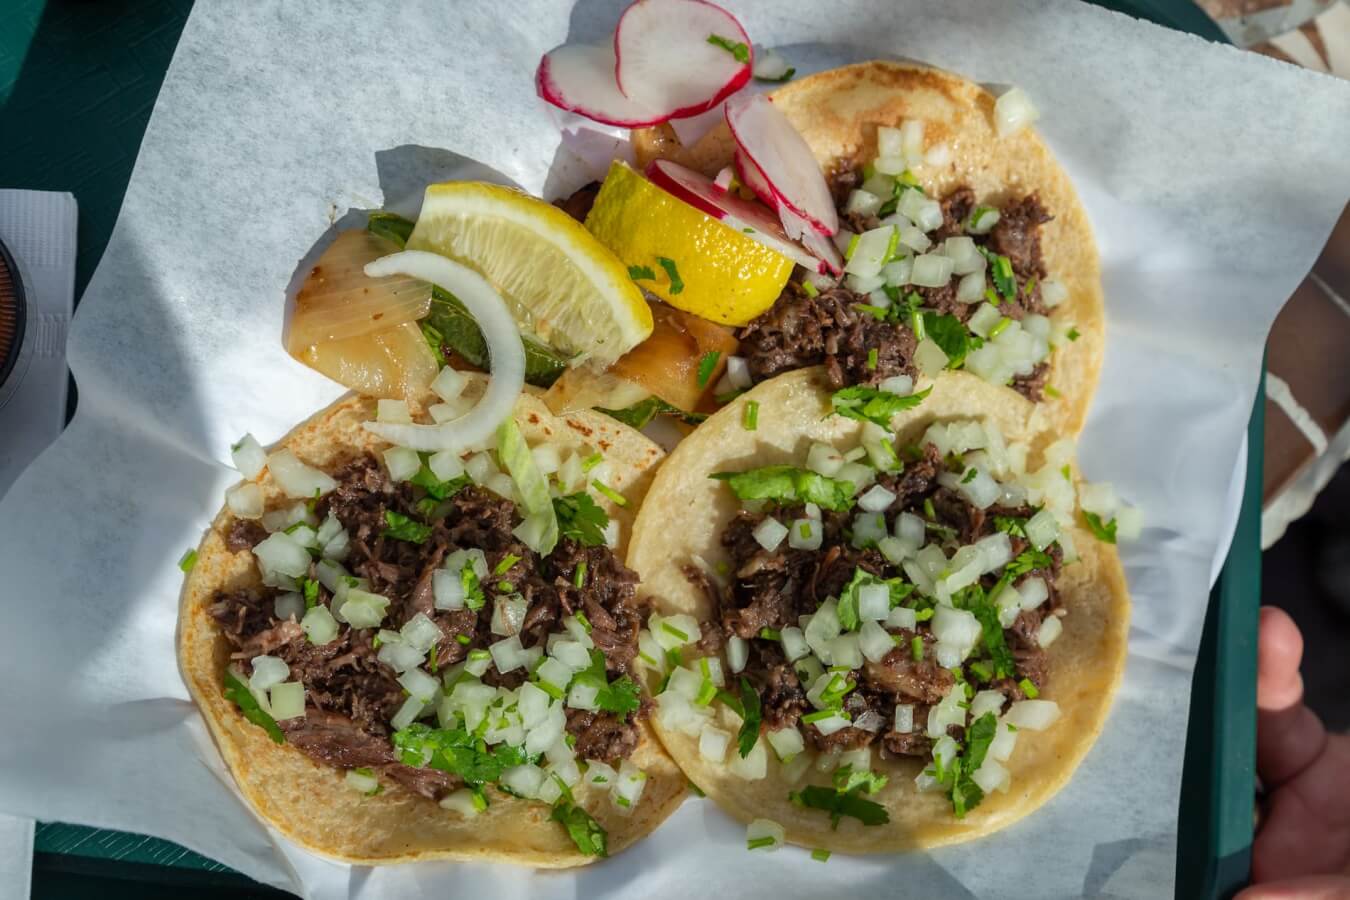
[1212,179]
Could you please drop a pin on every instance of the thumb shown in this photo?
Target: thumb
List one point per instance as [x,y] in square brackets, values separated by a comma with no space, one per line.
[1288,736]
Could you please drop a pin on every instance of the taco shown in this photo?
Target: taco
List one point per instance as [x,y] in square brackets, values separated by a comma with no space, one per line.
[876,637]
[397,665]
[967,249]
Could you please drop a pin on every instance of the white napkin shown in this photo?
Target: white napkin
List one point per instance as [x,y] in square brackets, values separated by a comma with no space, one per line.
[38,227]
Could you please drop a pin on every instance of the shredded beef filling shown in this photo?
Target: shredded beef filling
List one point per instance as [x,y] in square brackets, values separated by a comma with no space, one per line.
[773,589]
[351,695]
[829,329]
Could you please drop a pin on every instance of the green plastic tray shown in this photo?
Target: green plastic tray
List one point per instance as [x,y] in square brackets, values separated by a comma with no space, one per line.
[77,83]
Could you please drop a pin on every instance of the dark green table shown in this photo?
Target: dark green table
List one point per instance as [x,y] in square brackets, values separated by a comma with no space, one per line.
[77,83]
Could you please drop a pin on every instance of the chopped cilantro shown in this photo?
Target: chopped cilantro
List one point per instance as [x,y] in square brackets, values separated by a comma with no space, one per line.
[1103,531]
[757,843]
[809,289]
[949,333]
[435,340]
[847,610]
[820,855]
[1052,392]
[1000,267]
[589,836]
[310,589]
[402,528]
[969,476]
[187,560]
[579,576]
[869,404]
[1073,334]
[1066,471]
[847,779]
[750,418]
[706,366]
[1011,525]
[872,357]
[473,589]
[641,273]
[916,648]
[238,693]
[1029,688]
[676,283]
[506,563]
[839,805]
[437,489]
[619,696]
[581,519]
[788,484]
[771,634]
[750,712]
[463,640]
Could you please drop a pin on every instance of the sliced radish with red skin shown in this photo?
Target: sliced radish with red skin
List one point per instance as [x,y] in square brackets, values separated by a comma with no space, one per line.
[752,178]
[822,246]
[580,79]
[703,194]
[665,61]
[780,154]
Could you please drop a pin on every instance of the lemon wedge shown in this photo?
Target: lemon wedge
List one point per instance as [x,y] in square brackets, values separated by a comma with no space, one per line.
[683,255]
[561,284]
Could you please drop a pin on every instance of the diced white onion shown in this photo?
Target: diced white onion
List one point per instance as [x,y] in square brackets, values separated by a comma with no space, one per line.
[857,474]
[931,270]
[289,605]
[956,627]
[971,288]
[876,499]
[986,702]
[460,801]
[1053,293]
[713,743]
[991,776]
[319,625]
[1013,111]
[280,554]
[248,456]
[1033,592]
[862,203]
[904,718]
[402,463]
[930,358]
[1042,529]
[399,655]
[761,829]
[628,788]
[1129,523]
[685,682]
[870,252]
[912,237]
[770,533]
[896,272]
[507,654]
[245,500]
[419,684]
[794,644]
[1051,628]
[824,460]
[673,632]
[287,700]
[1033,715]
[830,724]
[786,743]
[874,601]
[449,384]
[738,653]
[751,767]
[983,320]
[508,612]
[902,617]
[363,609]
[297,479]
[1001,747]
[524,780]
[583,695]
[868,529]
[946,713]
[267,671]
[874,641]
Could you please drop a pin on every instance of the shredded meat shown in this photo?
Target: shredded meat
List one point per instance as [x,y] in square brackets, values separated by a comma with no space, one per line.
[244,534]
[1017,235]
[828,329]
[351,695]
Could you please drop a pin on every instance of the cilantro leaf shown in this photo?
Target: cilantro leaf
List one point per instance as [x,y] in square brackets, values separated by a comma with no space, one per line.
[456,751]
[952,336]
[707,365]
[1011,525]
[437,489]
[847,610]
[676,283]
[750,712]
[788,484]
[965,793]
[869,404]
[473,589]
[310,589]
[402,528]
[981,604]
[435,341]
[839,805]
[735,48]
[620,697]
[238,693]
[1000,267]
[589,836]
[1026,561]
[1103,531]
[581,519]
[847,780]
[641,273]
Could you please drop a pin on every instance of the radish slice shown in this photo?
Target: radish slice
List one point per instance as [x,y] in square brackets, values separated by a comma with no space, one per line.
[819,245]
[505,351]
[667,62]
[580,79]
[753,178]
[742,215]
[783,159]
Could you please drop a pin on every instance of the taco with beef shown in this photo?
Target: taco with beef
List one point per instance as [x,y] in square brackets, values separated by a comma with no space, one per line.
[876,626]
[408,656]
